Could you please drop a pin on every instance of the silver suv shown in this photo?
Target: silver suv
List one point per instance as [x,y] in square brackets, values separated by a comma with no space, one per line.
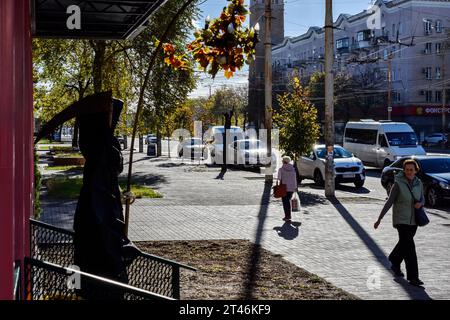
[434,139]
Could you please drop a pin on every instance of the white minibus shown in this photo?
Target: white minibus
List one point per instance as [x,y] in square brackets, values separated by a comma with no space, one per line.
[379,143]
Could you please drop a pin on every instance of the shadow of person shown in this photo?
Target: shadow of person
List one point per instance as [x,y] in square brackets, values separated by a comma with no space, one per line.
[288,230]
[352,189]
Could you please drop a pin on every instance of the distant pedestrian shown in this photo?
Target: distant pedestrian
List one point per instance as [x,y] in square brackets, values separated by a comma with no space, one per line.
[288,177]
[403,218]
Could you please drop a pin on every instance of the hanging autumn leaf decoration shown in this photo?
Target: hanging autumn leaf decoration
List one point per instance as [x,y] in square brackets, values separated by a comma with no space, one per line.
[222,45]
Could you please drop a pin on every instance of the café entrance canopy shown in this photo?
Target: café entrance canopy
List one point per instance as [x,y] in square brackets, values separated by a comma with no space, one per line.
[91,19]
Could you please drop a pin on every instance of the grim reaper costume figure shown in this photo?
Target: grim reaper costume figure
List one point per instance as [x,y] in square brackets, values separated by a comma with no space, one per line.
[100,244]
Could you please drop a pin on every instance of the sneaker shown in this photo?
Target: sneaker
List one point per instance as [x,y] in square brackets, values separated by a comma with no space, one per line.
[397,271]
[416,282]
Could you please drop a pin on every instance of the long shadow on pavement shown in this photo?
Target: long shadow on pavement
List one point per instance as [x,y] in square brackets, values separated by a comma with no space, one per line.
[288,231]
[253,264]
[413,292]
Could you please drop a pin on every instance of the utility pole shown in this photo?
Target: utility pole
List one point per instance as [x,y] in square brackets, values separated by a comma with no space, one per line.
[444,95]
[329,96]
[445,46]
[268,86]
[389,98]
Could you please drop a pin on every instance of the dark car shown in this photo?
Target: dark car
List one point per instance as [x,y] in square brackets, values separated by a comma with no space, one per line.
[434,173]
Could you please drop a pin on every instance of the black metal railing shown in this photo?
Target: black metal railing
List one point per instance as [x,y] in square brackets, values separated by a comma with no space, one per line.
[48,281]
[147,272]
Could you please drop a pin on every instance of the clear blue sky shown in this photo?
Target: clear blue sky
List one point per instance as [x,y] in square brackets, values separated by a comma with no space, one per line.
[299,16]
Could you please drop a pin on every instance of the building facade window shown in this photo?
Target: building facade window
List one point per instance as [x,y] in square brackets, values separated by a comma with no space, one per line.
[438,47]
[396,96]
[438,96]
[342,43]
[428,48]
[429,96]
[428,72]
[438,26]
[427,26]
[438,73]
[363,35]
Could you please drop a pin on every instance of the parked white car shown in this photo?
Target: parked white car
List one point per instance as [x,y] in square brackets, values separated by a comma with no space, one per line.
[192,148]
[348,169]
[245,152]
[434,139]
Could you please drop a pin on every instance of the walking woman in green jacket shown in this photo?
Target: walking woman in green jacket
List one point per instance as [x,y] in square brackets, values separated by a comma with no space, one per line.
[404,220]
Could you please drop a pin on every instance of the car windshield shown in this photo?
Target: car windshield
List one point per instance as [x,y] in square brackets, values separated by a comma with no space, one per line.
[436,165]
[402,139]
[339,153]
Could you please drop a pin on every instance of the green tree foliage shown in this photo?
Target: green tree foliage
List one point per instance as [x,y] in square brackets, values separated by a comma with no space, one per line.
[62,74]
[296,119]
[66,70]
[231,98]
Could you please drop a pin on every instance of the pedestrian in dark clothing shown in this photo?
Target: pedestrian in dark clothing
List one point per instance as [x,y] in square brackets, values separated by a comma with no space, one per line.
[288,177]
[404,220]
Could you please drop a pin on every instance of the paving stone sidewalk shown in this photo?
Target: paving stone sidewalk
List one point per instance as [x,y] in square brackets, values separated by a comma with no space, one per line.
[335,240]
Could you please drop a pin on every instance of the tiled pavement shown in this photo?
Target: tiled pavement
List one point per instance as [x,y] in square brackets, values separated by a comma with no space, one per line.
[333,240]
[336,242]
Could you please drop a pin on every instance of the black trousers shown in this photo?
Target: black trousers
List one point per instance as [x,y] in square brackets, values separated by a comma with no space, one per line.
[287,204]
[406,250]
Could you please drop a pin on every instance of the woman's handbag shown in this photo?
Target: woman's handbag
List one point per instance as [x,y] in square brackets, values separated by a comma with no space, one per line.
[420,214]
[295,204]
[421,217]
[279,191]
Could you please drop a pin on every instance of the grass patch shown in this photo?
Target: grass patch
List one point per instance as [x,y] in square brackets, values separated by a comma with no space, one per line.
[69,188]
[68,155]
[141,191]
[224,271]
[46,141]
[65,168]
[43,148]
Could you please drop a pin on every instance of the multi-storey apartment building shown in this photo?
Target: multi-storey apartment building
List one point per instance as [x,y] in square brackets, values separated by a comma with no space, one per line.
[409,38]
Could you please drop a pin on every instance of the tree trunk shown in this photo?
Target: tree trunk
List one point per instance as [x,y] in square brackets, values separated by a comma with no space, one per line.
[75,135]
[158,141]
[60,133]
[168,144]
[125,142]
[141,144]
[99,60]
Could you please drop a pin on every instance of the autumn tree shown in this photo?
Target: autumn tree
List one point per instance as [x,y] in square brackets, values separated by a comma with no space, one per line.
[296,119]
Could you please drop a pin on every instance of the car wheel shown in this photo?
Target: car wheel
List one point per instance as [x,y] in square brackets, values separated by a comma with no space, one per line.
[389,185]
[318,179]
[386,163]
[431,197]
[359,183]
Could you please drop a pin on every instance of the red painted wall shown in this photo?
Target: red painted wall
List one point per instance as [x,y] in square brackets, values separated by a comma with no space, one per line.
[16,134]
